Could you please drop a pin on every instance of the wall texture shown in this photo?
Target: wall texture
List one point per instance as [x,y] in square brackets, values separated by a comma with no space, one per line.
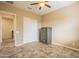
[19,19]
[65,25]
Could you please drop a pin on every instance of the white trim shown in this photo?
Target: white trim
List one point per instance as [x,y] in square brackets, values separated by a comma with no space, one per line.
[13,22]
[7,12]
[15,30]
[20,44]
[66,46]
[25,43]
[0,30]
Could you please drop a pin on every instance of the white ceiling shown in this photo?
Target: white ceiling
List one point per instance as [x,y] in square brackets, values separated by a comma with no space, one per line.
[35,9]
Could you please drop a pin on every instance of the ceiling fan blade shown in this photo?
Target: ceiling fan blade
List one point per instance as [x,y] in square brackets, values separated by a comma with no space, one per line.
[34,3]
[48,5]
[40,8]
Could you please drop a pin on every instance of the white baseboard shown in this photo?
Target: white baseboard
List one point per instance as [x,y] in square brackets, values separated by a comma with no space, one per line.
[24,43]
[66,46]
[19,44]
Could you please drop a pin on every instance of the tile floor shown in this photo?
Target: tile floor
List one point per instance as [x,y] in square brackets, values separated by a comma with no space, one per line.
[37,50]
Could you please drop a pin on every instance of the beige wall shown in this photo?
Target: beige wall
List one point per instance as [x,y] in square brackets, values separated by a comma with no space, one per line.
[64,23]
[19,19]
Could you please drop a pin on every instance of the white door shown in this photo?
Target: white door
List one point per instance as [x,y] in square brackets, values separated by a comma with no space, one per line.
[30,30]
[0,29]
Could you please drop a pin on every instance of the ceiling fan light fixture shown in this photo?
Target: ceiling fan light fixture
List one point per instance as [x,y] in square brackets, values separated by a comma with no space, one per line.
[42,4]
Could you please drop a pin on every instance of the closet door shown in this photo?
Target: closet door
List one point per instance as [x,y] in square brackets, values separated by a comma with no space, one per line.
[7,25]
[30,30]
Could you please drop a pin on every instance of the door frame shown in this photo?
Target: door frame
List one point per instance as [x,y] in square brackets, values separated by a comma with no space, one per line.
[5,12]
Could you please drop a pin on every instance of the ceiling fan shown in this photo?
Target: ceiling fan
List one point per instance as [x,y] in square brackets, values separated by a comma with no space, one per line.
[41,4]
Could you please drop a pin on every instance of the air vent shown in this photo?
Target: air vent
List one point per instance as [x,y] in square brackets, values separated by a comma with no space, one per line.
[10,2]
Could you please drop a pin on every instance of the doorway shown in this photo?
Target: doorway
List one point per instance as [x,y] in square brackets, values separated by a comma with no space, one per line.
[8,29]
